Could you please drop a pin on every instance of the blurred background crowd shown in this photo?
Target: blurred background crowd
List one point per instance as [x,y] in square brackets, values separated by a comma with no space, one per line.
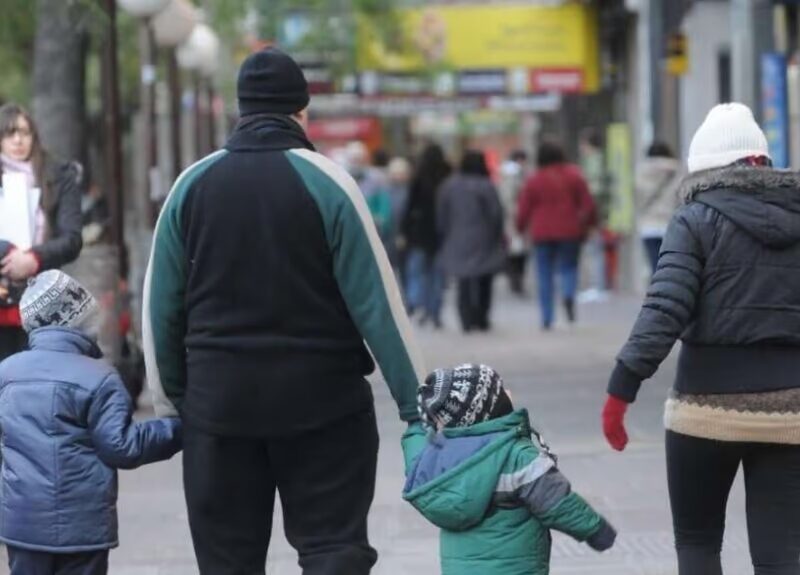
[461,121]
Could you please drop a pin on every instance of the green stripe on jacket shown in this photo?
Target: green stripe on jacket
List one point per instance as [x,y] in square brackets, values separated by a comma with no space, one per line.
[364,276]
[165,289]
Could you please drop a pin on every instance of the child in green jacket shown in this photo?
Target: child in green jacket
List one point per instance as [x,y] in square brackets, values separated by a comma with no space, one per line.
[473,470]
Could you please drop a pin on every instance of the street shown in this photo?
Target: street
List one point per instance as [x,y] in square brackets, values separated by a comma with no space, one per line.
[560,379]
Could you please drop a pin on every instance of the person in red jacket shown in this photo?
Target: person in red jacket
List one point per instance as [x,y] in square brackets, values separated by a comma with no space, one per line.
[557,210]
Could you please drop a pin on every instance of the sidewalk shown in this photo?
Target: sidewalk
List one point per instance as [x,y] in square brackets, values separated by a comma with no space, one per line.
[560,377]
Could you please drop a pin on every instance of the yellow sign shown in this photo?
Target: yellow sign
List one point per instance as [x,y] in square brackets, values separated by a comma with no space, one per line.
[620,167]
[678,55]
[487,37]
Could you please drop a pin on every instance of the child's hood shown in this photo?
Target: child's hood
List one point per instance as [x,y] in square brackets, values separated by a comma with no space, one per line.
[453,481]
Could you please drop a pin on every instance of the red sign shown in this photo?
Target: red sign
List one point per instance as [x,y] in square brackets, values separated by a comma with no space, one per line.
[561,80]
[344,129]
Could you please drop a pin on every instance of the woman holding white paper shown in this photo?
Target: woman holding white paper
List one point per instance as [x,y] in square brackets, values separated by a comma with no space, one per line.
[40,217]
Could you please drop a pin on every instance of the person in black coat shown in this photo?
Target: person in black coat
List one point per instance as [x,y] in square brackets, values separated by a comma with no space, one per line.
[57,218]
[727,285]
[424,282]
[473,245]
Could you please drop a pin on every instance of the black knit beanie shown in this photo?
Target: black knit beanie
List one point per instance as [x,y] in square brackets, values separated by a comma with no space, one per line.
[270,82]
[462,396]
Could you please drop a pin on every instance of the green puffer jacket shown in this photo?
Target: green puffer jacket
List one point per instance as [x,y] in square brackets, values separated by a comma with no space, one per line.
[495,495]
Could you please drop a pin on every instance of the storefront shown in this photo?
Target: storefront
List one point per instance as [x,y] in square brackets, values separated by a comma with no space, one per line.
[477,75]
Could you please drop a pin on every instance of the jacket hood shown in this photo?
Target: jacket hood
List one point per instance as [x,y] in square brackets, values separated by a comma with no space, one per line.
[764,203]
[65,340]
[454,479]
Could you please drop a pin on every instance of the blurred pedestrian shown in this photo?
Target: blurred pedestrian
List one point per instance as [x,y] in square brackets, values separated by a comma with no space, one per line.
[67,424]
[373,181]
[513,173]
[601,243]
[728,286]
[399,175]
[470,220]
[95,215]
[424,281]
[558,212]
[57,222]
[657,181]
[262,304]
[356,156]
[379,199]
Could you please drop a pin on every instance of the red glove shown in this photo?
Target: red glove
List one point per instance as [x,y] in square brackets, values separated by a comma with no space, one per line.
[614,422]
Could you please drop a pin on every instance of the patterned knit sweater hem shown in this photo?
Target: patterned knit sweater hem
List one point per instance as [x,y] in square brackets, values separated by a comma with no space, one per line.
[772,417]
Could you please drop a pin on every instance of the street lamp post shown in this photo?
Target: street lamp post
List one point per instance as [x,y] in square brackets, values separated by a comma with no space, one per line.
[172,27]
[146,10]
[208,70]
[111,116]
[200,55]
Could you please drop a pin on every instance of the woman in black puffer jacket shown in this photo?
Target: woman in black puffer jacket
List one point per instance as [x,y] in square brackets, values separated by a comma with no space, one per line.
[728,286]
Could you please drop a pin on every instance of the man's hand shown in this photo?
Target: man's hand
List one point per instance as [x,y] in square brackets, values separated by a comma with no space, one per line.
[413,442]
[19,265]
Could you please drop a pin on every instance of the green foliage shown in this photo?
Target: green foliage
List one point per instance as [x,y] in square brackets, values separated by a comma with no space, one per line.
[17,31]
[333,26]
[333,23]
[17,38]
[226,15]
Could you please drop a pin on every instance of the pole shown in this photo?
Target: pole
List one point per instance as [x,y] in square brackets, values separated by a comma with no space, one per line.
[148,102]
[212,120]
[656,17]
[175,92]
[111,115]
[752,20]
[644,79]
[199,146]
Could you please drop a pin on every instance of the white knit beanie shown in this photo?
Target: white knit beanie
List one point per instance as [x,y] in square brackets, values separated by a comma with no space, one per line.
[728,134]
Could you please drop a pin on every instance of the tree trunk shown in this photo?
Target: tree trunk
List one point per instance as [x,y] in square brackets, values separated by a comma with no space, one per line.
[59,74]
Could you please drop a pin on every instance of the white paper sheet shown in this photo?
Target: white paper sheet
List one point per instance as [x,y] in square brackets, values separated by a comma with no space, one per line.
[17,221]
[34,199]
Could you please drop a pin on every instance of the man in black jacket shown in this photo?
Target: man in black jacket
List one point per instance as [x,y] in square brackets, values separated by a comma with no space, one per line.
[266,280]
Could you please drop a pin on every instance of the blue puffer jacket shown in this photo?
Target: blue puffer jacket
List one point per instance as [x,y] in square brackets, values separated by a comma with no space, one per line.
[66,428]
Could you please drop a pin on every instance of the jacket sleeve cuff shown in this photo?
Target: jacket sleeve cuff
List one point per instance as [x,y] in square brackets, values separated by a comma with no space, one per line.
[624,384]
[38,256]
[604,538]
[410,415]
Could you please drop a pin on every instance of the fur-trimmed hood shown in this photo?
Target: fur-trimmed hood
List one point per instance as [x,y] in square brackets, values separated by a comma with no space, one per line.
[763,202]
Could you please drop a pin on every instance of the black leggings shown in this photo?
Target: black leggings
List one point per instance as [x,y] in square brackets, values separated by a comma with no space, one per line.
[475,301]
[701,473]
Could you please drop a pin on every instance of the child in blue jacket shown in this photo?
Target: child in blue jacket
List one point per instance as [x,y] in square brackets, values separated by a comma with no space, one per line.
[66,422]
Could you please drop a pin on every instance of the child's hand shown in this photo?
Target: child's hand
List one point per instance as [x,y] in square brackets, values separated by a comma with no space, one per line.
[604,538]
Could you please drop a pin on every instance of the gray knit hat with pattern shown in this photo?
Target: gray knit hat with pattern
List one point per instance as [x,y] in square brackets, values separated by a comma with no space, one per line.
[55,299]
[462,396]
